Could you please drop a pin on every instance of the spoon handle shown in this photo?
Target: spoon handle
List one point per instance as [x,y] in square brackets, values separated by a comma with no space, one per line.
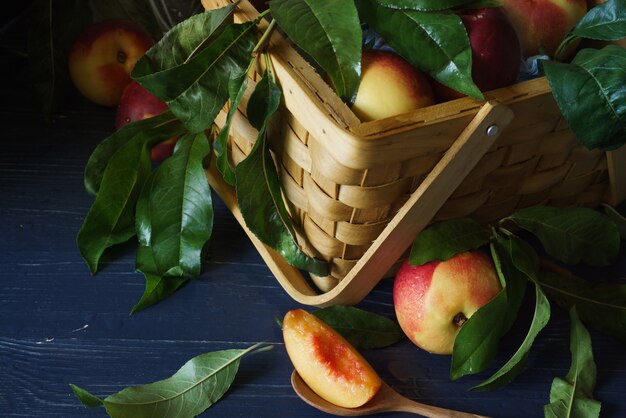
[407,405]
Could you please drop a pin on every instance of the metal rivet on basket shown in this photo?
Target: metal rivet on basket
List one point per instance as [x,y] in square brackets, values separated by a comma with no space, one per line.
[492,130]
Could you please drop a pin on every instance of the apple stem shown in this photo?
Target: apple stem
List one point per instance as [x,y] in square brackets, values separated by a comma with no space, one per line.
[459,319]
[121,57]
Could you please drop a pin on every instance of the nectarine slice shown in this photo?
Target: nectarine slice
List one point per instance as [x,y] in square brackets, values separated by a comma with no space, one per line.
[328,364]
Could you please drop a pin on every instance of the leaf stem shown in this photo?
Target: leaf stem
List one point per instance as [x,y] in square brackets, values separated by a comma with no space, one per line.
[265,37]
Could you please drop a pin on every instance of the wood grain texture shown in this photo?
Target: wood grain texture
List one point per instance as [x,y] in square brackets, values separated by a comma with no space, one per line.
[60,325]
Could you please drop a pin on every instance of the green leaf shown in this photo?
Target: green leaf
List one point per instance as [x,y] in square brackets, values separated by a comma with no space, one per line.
[174,217]
[516,363]
[86,398]
[258,187]
[422,5]
[190,67]
[158,128]
[599,121]
[445,239]
[195,387]
[618,219]
[476,344]
[572,396]
[572,235]
[605,22]
[602,305]
[360,328]
[525,261]
[329,32]
[436,43]
[54,26]
[111,218]
[236,87]
[157,289]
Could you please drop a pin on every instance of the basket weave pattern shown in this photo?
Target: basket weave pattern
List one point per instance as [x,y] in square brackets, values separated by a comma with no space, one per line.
[344,180]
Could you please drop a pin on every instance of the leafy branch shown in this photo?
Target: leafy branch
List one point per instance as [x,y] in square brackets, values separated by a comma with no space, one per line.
[571,236]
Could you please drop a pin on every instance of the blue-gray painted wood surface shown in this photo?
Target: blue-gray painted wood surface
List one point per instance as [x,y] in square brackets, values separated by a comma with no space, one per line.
[60,325]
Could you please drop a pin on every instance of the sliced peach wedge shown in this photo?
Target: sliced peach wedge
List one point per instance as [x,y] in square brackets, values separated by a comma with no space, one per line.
[328,364]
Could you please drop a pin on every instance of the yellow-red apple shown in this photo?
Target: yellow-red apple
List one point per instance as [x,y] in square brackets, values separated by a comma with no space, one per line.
[138,103]
[389,86]
[496,52]
[102,57]
[328,364]
[541,25]
[432,301]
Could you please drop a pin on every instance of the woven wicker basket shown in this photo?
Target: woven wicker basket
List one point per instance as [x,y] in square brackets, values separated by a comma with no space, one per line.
[360,192]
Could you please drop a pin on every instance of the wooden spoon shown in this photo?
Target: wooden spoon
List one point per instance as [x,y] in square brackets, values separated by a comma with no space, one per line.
[385,400]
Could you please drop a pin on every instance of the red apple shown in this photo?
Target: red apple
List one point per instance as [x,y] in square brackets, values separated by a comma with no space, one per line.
[496,52]
[542,24]
[328,364]
[138,103]
[432,301]
[389,86]
[102,57]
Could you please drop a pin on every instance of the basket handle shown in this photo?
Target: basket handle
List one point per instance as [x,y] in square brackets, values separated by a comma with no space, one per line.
[475,140]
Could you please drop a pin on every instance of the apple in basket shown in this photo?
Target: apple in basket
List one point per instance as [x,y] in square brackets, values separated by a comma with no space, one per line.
[496,51]
[328,364]
[432,301]
[542,24]
[389,86]
[102,57]
[138,103]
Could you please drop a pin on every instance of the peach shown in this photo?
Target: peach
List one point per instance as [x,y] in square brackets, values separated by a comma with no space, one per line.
[541,25]
[389,86]
[102,57]
[328,364]
[138,103]
[432,301]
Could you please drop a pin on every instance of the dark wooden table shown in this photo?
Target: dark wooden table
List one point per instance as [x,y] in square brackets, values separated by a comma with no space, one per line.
[60,325]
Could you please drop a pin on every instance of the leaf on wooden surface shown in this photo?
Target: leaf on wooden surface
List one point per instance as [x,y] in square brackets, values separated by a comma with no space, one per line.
[571,235]
[441,241]
[111,218]
[54,26]
[191,66]
[195,387]
[599,121]
[361,328]
[86,398]
[158,128]
[258,186]
[516,363]
[476,344]
[174,216]
[602,305]
[572,396]
[157,288]
[436,43]
[330,33]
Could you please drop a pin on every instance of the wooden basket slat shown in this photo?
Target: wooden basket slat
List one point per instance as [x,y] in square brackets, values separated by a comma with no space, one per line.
[345,180]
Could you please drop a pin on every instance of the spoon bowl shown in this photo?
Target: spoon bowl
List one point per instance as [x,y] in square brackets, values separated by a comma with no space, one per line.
[385,400]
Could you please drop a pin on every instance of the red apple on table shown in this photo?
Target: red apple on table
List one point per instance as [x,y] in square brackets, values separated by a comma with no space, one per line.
[542,24]
[496,51]
[138,103]
[432,301]
[102,57]
[389,86]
